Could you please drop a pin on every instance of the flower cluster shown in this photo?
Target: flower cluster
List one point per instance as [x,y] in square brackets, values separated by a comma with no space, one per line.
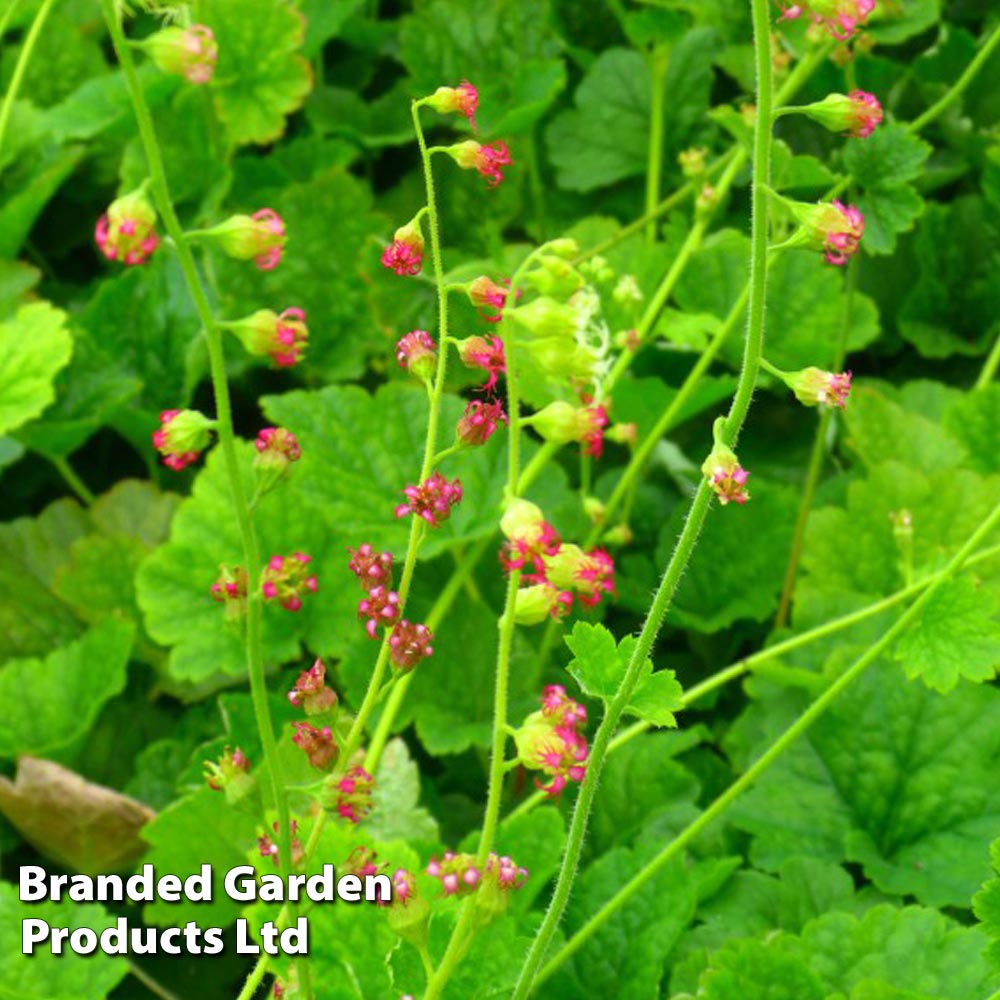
[841,18]
[269,849]
[553,571]
[409,644]
[458,873]
[432,499]
[353,800]
[480,422]
[286,578]
[551,740]
[317,743]
[182,436]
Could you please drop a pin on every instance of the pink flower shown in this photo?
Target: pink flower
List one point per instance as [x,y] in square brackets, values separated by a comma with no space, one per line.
[484,294]
[317,744]
[182,437]
[276,448]
[488,160]
[842,235]
[270,235]
[287,578]
[372,568]
[417,353]
[380,607]
[125,232]
[404,255]
[354,795]
[541,600]
[530,538]
[726,476]
[432,499]
[282,337]
[409,644]
[464,99]
[259,237]
[816,387]
[839,17]
[311,692]
[507,874]
[550,741]
[230,588]
[593,438]
[867,113]
[595,576]
[486,353]
[404,889]
[479,422]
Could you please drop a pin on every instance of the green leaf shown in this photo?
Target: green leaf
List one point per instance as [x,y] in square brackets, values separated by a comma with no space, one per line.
[974,421]
[396,814]
[605,137]
[884,165]
[48,704]
[893,23]
[261,76]
[956,635]
[752,543]
[600,663]
[34,347]
[913,949]
[986,905]
[776,968]
[893,776]
[33,620]
[324,19]
[43,975]
[508,50]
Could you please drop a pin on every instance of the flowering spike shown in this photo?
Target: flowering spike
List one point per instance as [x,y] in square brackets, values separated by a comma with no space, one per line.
[282,337]
[125,232]
[479,422]
[188,52]
[404,255]
[488,160]
[417,353]
[311,692]
[432,499]
[182,437]
[409,644]
[287,578]
[463,99]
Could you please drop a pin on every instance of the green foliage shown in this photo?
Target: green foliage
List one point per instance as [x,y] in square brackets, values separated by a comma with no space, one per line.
[986,904]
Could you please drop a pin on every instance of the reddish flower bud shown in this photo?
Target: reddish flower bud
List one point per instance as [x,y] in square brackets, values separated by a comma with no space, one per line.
[259,237]
[353,800]
[317,744]
[815,387]
[380,607]
[458,873]
[562,422]
[550,740]
[404,255]
[276,448]
[230,774]
[536,603]
[486,353]
[725,475]
[370,567]
[311,693]
[485,294]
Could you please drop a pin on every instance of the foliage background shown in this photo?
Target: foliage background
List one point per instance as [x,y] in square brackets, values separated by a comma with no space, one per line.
[115,663]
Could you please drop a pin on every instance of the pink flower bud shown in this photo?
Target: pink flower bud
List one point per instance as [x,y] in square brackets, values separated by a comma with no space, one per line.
[276,448]
[536,603]
[259,237]
[282,337]
[725,475]
[317,744]
[379,608]
[486,353]
[485,294]
[182,437]
[551,741]
[562,422]
[188,52]
[230,589]
[125,232]
[530,538]
[463,99]
[404,255]
[815,387]
[370,567]
[588,574]
[488,160]
[311,692]
[417,353]
[857,114]
[352,796]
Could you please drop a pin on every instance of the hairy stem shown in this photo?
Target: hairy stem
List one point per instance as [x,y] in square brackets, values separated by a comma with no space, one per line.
[659,60]
[759,766]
